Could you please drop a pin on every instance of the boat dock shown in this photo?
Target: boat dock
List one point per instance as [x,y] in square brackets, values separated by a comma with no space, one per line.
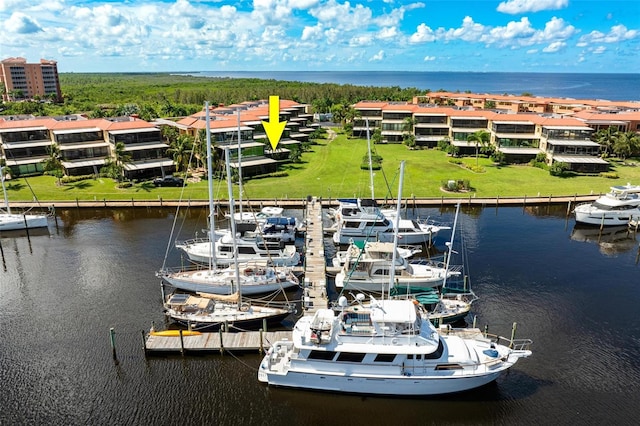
[257,341]
[315,267]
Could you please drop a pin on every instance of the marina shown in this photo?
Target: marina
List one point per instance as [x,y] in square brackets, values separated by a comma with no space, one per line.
[48,279]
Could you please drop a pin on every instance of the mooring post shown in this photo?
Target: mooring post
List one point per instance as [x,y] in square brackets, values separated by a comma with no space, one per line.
[77,203]
[264,324]
[181,343]
[475,317]
[221,344]
[513,334]
[261,348]
[144,342]
[486,330]
[112,338]
[569,208]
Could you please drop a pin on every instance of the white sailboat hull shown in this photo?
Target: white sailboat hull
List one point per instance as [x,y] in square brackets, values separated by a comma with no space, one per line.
[206,281]
[13,222]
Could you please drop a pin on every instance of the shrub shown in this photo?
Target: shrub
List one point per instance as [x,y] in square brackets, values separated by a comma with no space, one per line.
[71,179]
[610,175]
[558,168]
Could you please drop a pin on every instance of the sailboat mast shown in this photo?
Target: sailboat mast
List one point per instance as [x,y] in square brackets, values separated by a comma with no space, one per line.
[373,197]
[450,246]
[4,191]
[212,230]
[392,272]
[239,166]
[233,223]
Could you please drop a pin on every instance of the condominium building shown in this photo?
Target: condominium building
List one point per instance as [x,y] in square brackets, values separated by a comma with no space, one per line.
[520,128]
[83,145]
[20,80]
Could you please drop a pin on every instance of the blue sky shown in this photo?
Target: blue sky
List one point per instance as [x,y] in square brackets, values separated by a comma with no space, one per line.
[453,35]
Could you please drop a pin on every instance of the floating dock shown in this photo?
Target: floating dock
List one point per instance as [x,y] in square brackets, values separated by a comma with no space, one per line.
[315,267]
[257,341]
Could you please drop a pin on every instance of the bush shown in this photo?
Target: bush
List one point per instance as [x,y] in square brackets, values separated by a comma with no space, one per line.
[610,175]
[455,161]
[126,184]
[558,168]
[71,179]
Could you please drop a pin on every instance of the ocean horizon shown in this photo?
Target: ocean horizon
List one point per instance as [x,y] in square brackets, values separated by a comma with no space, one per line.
[614,87]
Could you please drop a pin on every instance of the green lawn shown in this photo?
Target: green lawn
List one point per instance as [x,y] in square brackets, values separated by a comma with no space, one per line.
[332,169]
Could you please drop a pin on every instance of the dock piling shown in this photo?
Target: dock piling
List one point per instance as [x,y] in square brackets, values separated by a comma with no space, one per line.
[112,339]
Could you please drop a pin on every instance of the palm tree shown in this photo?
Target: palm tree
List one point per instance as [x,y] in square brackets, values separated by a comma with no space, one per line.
[626,144]
[408,137]
[122,157]
[181,151]
[53,164]
[481,137]
[605,138]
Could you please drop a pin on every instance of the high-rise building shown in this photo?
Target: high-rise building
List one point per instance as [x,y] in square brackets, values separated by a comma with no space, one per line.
[20,80]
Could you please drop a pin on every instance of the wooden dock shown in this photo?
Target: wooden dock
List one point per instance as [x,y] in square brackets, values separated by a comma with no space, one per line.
[315,269]
[257,341]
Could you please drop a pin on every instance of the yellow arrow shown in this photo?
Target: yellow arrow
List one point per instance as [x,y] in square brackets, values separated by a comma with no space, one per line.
[274,127]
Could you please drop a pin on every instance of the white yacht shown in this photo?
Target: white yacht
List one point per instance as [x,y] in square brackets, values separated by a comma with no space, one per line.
[386,347]
[361,220]
[370,269]
[617,207]
[249,250]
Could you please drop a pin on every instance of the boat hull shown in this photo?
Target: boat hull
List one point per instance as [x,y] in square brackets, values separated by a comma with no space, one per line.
[231,320]
[16,222]
[599,218]
[407,385]
[191,283]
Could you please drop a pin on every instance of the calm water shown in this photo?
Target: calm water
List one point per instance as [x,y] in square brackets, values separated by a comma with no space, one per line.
[576,298]
[566,85]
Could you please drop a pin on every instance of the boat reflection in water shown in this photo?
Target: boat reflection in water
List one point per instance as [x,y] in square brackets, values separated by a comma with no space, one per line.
[611,240]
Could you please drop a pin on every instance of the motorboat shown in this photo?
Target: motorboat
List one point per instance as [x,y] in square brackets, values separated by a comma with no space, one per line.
[386,347]
[355,249]
[250,249]
[361,220]
[617,207]
[370,269]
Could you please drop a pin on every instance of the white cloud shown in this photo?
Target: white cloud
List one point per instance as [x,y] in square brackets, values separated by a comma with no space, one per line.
[342,16]
[19,23]
[429,58]
[423,34]
[387,33]
[616,34]
[514,33]
[361,40]
[310,33]
[377,57]
[599,50]
[554,47]
[516,7]
[469,31]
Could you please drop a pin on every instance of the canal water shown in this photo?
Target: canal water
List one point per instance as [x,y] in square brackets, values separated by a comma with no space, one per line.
[572,291]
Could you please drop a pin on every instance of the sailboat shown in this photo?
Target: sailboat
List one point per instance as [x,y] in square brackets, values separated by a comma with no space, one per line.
[12,221]
[385,347]
[258,240]
[211,311]
[251,277]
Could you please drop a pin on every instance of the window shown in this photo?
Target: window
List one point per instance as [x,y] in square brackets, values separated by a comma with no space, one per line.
[322,355]
[385,358]
[350,357]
